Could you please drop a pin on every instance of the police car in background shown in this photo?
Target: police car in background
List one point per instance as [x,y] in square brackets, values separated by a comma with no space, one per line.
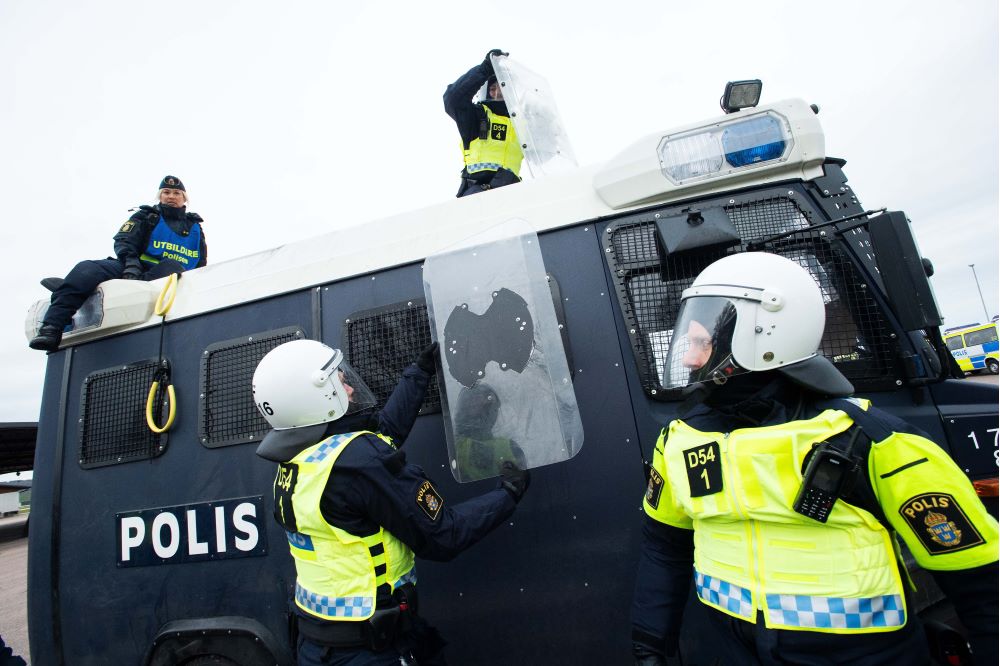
[974,346]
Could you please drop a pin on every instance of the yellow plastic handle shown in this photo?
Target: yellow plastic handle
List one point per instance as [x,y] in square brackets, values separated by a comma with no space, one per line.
[170,414]
[170,287]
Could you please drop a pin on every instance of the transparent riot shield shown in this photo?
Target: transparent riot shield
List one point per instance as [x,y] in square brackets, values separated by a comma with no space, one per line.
[507,393]
[536,119]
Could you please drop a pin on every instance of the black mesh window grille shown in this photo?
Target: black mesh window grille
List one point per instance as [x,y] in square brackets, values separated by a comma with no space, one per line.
[649,287]
[228,415]
[380,343]
[113,427]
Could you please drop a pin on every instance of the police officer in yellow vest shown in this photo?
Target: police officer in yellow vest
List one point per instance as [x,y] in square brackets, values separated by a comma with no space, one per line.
[785,500]
[490,147]
[355,512]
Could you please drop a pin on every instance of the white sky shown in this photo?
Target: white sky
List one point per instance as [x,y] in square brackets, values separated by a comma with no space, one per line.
[286,120]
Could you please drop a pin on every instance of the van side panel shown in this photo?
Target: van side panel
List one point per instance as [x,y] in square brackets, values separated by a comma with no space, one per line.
[109,613]
[560,572]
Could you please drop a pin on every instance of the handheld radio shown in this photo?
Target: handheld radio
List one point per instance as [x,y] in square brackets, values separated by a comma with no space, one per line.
[829,475]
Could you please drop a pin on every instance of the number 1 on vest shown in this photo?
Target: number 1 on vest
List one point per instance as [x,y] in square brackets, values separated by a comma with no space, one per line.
[704,469]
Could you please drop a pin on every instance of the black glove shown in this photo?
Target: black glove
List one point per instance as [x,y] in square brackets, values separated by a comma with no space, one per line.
[132,271]
[514,480]
[494,52]
[425,361]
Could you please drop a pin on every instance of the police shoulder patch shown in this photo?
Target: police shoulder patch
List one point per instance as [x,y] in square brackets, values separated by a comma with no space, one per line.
[654,489]
[939,523]
[429,500]
[129,224]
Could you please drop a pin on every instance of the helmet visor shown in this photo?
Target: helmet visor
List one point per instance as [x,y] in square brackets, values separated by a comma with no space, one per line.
[701,347]
[359,396]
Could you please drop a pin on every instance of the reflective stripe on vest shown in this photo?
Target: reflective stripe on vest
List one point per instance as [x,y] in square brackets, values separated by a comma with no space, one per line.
[836,613]
[338,574]
[165,243]
[334,607]
[801,611]
[753,552]
[500,148]
[482,166]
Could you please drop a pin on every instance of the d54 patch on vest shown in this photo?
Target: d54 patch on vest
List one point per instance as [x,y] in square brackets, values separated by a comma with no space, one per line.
[704,469]
[940,524]
[429,500]
[654,489]
[498,132]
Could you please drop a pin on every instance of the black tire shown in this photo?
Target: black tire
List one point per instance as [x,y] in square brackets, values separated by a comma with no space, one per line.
[992,366]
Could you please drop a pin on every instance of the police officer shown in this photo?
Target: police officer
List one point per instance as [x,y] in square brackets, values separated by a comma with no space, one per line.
[153,243]
[787,497]
[490,146]
[355,511]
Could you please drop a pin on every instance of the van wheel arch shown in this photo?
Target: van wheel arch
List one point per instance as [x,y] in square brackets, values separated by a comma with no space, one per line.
[216,641]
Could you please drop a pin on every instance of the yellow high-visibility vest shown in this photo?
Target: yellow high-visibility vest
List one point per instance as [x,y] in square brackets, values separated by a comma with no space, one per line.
[337,573]
[500,148]
[753,552]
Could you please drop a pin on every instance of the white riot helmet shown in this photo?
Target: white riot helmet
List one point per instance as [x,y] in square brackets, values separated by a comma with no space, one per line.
[304,382]
[752,312]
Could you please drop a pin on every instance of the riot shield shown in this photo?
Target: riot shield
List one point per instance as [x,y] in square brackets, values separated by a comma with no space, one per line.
[507,392]
[536,119]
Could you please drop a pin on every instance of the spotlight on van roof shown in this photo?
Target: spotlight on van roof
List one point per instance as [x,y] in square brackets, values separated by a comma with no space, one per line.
[740,95]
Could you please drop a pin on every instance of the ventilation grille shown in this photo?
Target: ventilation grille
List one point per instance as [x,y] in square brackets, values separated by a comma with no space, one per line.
[649,286]
[113,427]
[380,343]
[227,414]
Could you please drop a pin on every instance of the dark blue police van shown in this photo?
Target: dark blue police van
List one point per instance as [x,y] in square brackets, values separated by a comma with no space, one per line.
[151,535]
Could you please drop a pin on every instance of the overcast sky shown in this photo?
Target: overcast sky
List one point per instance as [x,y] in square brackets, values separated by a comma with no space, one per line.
[287,120]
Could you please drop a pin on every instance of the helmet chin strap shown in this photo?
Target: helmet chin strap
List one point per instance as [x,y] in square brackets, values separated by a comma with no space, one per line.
[721,374]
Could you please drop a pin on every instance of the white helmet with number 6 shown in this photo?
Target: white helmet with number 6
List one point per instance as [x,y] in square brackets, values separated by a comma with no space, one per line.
[304,383]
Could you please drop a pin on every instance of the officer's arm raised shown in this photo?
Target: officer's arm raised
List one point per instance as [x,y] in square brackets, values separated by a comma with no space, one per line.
[405,502]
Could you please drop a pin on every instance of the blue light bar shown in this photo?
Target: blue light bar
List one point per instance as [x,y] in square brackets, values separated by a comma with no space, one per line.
[756,140]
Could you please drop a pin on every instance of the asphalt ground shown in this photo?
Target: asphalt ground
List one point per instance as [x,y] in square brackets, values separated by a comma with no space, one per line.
[14,587]
[14,571]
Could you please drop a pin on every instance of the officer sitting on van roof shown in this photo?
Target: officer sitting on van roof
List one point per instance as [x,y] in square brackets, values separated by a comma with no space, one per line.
[787,502]
[490,147]
[155,242]
[355,512]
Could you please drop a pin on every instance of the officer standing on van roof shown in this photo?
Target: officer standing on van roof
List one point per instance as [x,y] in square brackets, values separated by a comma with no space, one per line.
[787,501]
[355,511]
[155,242]
[490,146]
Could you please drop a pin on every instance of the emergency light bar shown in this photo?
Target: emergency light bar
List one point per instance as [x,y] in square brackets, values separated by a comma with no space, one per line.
[740,143]
[778,141]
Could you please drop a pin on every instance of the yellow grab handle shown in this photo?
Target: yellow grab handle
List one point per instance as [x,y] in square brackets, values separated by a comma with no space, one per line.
[170,287]
[170,414]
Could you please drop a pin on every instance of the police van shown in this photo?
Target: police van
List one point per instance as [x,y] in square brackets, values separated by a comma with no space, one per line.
[152,540]
[975,347]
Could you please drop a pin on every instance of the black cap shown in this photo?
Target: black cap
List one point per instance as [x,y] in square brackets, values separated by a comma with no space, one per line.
[172,182]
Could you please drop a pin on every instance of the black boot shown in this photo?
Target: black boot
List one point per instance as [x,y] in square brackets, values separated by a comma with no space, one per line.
[48,338]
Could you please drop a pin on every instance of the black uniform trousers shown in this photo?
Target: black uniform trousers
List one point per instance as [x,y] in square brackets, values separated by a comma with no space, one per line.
[81,282]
